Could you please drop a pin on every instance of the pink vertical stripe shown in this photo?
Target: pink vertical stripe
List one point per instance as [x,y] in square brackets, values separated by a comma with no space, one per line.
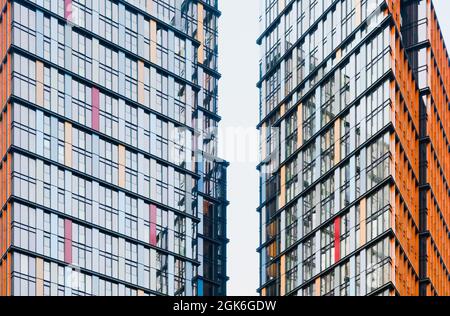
[68,241]
[68,10]
[153,240]
[95,109]
[337,239]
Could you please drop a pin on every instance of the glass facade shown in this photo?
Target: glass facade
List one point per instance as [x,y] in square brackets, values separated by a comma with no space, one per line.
[344,188]
[113,182]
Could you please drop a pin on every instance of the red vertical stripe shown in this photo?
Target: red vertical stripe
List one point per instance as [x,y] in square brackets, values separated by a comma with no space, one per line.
[95,109]
[153,241]
[337,239]
[68,241]
[68,10]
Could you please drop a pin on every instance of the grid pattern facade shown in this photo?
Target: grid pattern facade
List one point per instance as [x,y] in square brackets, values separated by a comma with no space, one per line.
[110,184]
[353,149]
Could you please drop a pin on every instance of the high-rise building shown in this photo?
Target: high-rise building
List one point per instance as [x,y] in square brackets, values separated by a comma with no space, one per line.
[354,125]
[110,184]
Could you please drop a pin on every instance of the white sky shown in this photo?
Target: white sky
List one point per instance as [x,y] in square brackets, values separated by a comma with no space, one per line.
[239,59]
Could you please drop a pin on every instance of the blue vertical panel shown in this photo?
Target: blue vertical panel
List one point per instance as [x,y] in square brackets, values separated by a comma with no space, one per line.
[54,88]
[200,287]
[171,192]
[40,182]
[40,231]
[54,41]
[53,279]
[122,212]
[171,110]
[352,288]
[171,280]
[54,236]
[189,61]
[39,133]
[68,281]
[95,204]
[141,163]
[300,259]
[40,33]
[143,213]
[352,223]
[300,215]
[121,25]
[54,138]
[141,123]
[121,259]
[122,112]
[54,7]
[95,16]
[153,134]
[95,250]
[95,155]
[121,72]
[188,196]
[153,75]
[140,39]
[171,48]
[189,106]
[68,193]
[54,188]
[189,278]
[68,47]
[121,290]
[95,59]
[68,96]
[363,257]
[95,280]
[171,237]
[140,269]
